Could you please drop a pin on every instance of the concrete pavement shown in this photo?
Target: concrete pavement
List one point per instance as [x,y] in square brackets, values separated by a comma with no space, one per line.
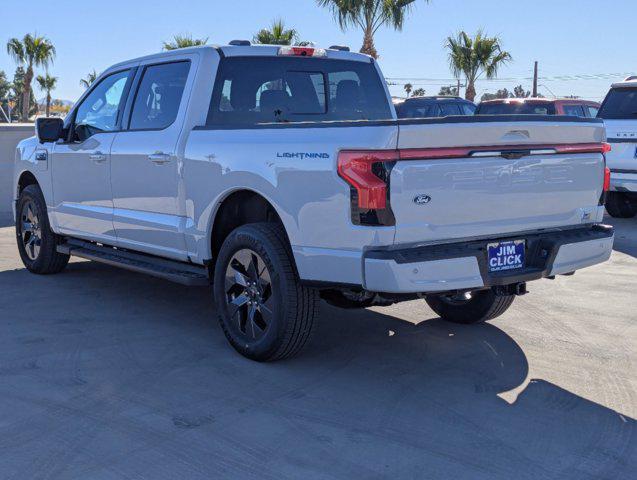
[106,374]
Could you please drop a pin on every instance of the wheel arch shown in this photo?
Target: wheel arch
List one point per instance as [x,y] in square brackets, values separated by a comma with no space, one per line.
[25,179]
[239,207]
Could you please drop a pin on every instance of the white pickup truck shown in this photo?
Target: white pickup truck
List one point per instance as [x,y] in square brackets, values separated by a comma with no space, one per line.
[281,176]
[619,112]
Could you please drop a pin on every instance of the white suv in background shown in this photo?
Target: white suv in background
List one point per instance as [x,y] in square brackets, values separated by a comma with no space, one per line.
[619,112]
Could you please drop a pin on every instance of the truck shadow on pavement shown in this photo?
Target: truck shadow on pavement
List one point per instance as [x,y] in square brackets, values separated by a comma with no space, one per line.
[105,373]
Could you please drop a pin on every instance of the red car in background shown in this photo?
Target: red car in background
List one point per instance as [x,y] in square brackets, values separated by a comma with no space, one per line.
[538,106]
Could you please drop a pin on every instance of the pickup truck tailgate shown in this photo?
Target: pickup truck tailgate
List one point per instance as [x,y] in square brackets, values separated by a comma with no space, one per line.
[481,177]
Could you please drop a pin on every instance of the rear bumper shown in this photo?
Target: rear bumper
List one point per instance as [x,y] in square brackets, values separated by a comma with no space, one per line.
[623,180]
[463,265]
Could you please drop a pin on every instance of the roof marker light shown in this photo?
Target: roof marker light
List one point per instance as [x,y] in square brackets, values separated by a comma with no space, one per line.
[302,52]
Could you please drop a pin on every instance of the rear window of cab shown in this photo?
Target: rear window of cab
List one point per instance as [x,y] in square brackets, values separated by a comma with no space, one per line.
[253,90]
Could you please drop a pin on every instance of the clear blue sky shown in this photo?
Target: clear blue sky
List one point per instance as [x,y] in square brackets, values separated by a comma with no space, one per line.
[569,38]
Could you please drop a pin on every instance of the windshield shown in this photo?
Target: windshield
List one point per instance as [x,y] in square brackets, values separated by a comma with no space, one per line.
[516,108]
[620,103]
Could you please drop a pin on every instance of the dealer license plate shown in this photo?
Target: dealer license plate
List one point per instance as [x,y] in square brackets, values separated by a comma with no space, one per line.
[507,255]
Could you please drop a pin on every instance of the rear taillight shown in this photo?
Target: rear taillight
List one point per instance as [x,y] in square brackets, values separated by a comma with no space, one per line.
[606,147]
[367,172]
[606,179]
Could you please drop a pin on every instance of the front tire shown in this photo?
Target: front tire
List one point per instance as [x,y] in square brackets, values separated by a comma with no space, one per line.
[471,307]
[265,313]
[37,243]
[620,205]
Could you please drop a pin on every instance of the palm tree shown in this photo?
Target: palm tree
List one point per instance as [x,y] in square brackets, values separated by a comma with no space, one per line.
[419,92]
[47,83]
[408,88]
[473,57]
[32,51]
[276,35]
[369,16]
[183,41]
[88,81]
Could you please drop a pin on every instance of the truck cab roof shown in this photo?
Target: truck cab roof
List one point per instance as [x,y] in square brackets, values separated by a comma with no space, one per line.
[336,52]
[630,82]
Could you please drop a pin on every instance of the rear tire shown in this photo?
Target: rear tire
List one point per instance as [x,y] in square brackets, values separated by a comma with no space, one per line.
[265,313]
[480,307]
[37,243]
[620,205]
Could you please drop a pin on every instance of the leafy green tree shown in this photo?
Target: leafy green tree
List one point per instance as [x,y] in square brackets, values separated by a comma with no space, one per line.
[5,88]
[369,16]
[60,108]
[17,96]
[32,51]
[419,92]
[474,57]
[89,79]
[47,84]
[448,91]
[502,93]
[183,41]
[519,92]
[408,88]
[277,34]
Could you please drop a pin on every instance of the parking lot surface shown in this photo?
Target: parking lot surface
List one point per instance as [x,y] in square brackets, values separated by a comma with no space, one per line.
[106,374]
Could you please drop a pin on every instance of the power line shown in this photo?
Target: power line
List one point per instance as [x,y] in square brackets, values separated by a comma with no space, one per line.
[553,78]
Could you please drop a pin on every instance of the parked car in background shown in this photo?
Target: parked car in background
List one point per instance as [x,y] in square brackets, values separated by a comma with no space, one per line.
[538,106]
[619,111]
[422,107]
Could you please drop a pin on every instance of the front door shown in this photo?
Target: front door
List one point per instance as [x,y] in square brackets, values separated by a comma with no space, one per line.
[147,207]
[81,176]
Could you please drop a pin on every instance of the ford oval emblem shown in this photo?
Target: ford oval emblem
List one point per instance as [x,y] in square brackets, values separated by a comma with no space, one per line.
[422,199]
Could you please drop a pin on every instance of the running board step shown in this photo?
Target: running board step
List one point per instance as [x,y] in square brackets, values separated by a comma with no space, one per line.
[179,272]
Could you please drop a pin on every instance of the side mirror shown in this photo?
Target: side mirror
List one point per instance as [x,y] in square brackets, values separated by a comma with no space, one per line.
[49,129]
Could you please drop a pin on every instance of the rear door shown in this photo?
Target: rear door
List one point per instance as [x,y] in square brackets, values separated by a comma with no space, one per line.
[456,180]
[145,166]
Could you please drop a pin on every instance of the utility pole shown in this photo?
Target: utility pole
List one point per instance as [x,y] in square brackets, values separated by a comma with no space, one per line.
[458,87]
[535,81]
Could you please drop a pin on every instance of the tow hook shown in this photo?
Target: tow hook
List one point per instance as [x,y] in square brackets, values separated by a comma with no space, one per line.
[512,289]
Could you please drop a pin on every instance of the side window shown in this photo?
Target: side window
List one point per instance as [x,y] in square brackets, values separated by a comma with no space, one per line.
[449,109]
[591,111]
[99,111]
[159,96]
[435,111]
[415,112]
[468,109]
[573,110]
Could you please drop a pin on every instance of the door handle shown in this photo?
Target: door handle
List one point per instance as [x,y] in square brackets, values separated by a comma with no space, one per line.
[97,157]
[159,158]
